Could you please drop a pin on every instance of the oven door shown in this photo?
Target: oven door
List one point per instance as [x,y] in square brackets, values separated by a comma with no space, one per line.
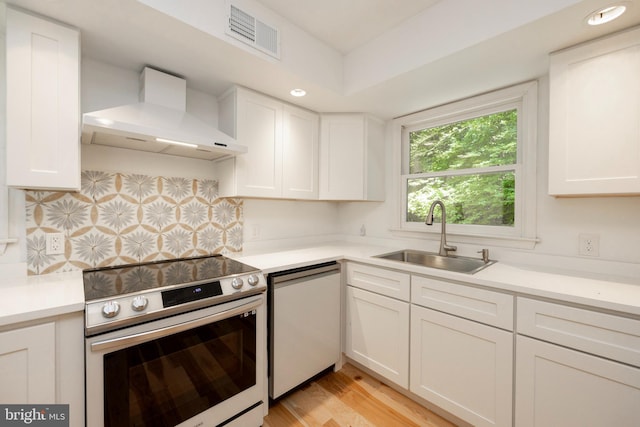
[200,368]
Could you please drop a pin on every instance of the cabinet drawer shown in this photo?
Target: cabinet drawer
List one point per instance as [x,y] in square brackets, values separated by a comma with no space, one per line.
[385,282]
[614,337]
[488,307]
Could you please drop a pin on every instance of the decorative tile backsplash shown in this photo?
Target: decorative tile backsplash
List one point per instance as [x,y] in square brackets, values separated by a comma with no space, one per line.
[127,218]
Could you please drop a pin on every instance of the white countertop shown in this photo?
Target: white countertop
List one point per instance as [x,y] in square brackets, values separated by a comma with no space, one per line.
[598,293]
[36,297]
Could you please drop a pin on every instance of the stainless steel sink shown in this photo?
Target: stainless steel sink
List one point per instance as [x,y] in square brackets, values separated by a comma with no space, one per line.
[459,264]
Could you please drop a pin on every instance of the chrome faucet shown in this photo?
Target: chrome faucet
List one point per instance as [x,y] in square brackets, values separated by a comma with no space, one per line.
[444,248]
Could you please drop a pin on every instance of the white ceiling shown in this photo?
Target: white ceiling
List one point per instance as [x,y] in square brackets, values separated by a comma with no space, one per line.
[386,57]
[347,24]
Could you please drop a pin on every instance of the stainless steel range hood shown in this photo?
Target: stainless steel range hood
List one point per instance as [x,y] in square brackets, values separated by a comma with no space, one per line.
[159,123]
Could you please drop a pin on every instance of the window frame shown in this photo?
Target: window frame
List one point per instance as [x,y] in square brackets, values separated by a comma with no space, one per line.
[522,97]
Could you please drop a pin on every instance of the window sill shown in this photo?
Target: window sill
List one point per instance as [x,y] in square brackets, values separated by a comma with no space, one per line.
[513,242]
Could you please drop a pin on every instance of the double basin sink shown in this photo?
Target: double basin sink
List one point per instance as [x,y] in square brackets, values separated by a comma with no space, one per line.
[459,264]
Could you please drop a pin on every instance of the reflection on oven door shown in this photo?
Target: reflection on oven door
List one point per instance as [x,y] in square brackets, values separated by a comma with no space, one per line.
[213,369]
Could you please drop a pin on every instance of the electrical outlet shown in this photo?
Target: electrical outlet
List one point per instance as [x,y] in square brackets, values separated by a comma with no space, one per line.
[255,232]
[589,244]
[55,243]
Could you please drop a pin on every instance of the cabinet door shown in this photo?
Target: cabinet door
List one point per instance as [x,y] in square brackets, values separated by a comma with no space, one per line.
[594,131]
[556,386]
[300,154]
[462,366]
[259,127]
[342,157]
[28,365]
[43,104]
[378,334]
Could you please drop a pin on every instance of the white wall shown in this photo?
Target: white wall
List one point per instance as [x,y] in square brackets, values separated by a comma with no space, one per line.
[559,221]
[278,224]
[268,223]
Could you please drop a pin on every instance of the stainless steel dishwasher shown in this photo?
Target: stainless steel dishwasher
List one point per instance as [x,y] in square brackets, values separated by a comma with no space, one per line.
[304,324]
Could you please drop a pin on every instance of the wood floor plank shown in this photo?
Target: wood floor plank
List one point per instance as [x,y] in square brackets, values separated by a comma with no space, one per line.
[390,397]
[317,407]
[279,416]
[360,400]
[349,398]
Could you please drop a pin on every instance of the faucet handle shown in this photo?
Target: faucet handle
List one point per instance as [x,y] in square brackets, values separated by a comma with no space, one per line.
[485,255]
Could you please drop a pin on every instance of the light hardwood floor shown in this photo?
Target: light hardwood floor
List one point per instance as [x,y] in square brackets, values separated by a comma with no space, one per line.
[349,398]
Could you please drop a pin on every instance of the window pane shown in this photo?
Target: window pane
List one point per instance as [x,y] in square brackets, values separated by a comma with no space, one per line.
[482,199]
[480,142]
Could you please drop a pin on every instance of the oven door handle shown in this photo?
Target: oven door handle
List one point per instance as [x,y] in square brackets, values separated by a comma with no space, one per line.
[131,340]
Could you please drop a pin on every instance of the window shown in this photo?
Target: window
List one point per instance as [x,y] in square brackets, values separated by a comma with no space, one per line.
[478,157]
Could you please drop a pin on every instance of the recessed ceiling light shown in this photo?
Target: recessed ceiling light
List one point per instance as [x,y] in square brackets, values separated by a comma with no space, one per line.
[298,92]
[606,14]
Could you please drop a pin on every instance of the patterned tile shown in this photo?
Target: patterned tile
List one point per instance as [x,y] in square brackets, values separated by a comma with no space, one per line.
[126,218]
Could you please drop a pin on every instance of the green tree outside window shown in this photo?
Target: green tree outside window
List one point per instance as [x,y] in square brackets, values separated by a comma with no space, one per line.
[472,196]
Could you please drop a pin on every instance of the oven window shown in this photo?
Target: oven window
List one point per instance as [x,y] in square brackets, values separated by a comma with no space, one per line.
[169,380]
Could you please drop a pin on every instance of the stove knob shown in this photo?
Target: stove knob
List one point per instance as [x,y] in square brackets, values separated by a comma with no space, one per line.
[139,303]
[110,309]
[237,283]
[253,280]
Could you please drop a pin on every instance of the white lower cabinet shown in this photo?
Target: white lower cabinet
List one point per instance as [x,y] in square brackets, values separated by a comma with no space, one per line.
[462,366]
[27,364]
[576,367]
[556,386]
[377,334]
[453,344]
[44,364]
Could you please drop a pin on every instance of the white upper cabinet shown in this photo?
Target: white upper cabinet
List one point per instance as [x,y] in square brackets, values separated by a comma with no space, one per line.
[594,131]
[300,153]
[43,103]
[351,157]
[282,161]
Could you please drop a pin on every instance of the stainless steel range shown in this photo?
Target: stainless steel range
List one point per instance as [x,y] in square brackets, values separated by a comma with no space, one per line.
[178,342]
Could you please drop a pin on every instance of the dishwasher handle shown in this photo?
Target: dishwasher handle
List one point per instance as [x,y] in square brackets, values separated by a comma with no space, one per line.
[313,270]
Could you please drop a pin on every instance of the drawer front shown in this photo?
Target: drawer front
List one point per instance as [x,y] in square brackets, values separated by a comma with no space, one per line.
[488,307]
[385,282]
[606,335]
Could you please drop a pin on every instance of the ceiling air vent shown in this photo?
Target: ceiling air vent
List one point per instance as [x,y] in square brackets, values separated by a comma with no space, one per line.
[249,29]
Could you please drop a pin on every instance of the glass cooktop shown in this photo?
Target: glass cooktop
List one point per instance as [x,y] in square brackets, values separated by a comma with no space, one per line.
[124,279]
